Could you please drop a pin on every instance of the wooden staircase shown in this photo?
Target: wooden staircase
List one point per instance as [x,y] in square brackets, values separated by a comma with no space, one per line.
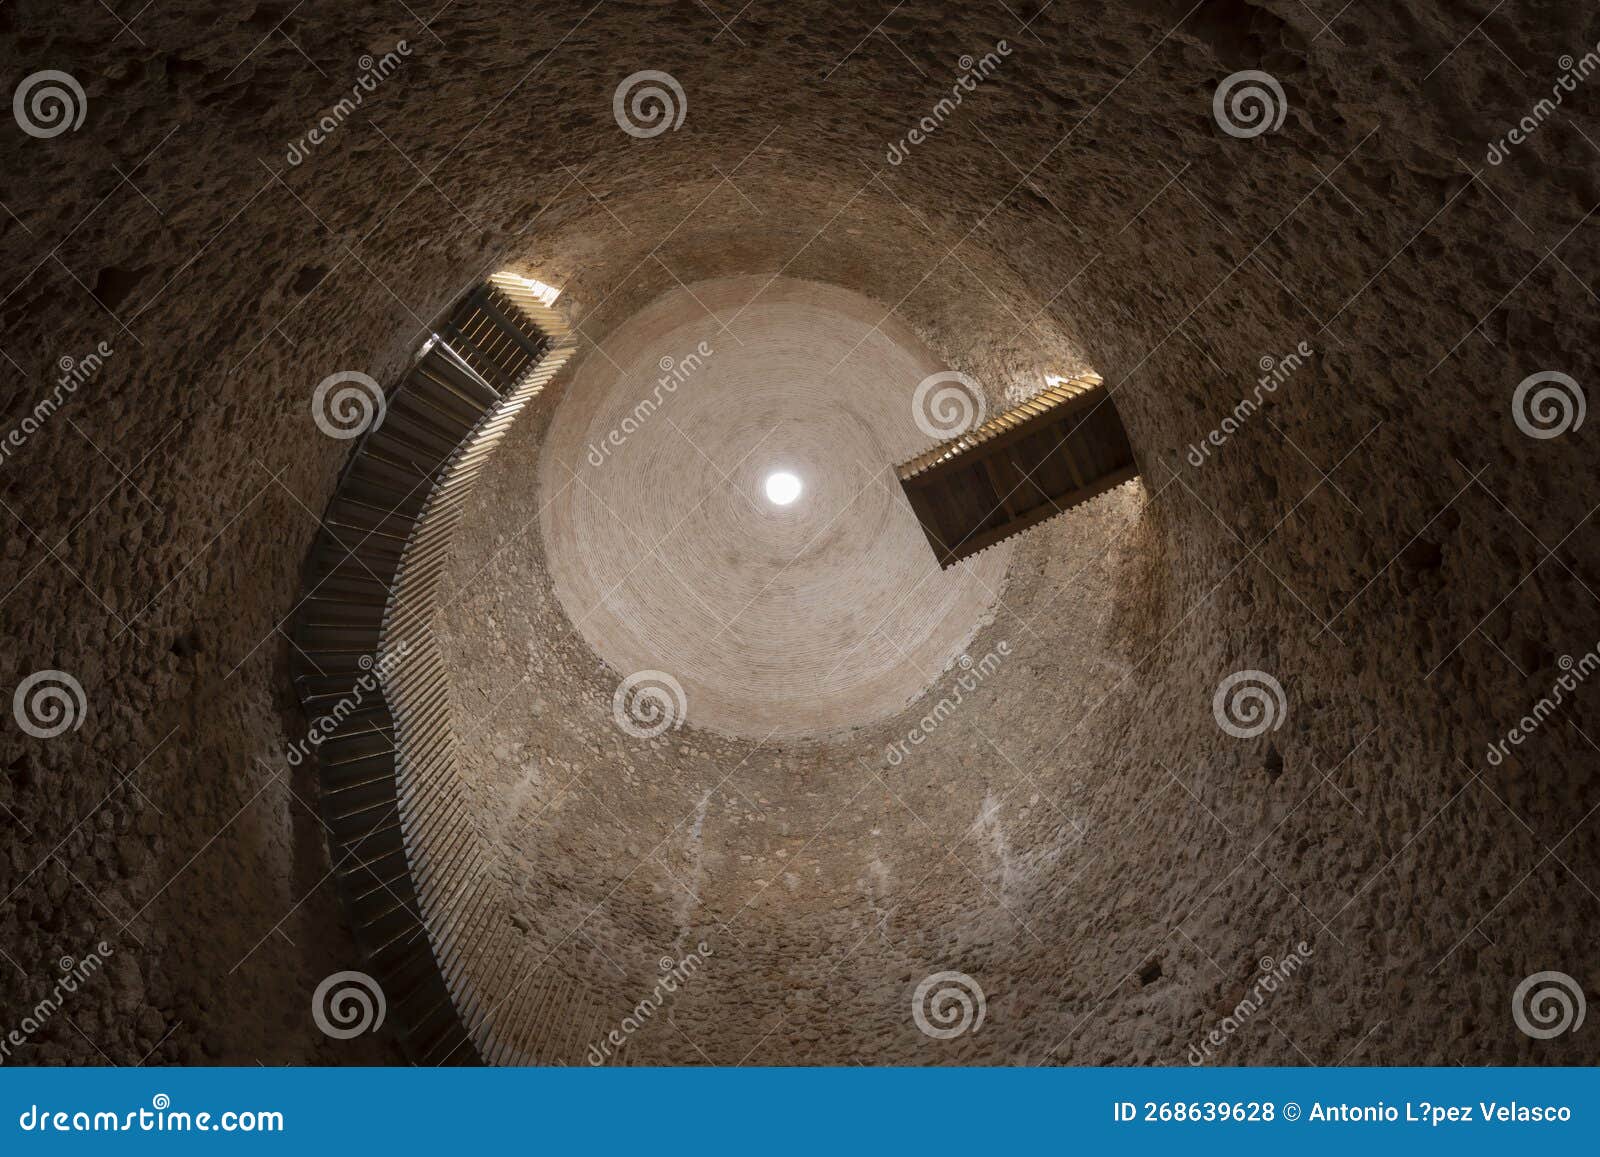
[369,675]
[1060,448]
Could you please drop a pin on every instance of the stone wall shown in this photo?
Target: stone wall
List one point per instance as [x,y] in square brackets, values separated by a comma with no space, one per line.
[1382,537]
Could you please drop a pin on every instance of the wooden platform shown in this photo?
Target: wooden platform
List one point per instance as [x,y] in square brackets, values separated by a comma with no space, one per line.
[368,672]
[1060,448]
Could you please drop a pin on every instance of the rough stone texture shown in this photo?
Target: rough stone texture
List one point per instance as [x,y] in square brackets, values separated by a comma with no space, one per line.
[1381,537]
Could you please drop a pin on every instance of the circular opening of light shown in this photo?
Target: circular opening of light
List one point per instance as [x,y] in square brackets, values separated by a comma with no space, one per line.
[782,488]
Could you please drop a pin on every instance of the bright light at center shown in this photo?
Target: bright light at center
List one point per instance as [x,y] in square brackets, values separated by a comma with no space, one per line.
[782,488]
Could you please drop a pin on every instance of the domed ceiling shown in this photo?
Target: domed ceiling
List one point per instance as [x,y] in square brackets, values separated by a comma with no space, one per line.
[670,557]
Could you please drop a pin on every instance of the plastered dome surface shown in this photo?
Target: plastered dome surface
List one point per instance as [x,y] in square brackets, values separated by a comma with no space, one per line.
[817,615]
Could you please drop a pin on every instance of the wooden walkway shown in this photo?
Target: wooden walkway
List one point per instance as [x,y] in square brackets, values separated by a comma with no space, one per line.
[1060,448]
[411,872]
